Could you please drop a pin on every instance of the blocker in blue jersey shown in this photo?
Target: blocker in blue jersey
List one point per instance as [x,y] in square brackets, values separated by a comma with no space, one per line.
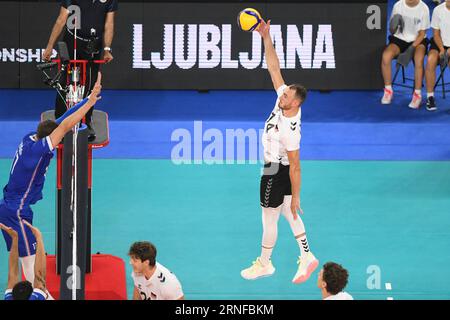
[27,176]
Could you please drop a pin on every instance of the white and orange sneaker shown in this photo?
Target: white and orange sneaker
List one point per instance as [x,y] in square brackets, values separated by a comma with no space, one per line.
[387,96]
[258,270]
[307,263]
[416,101]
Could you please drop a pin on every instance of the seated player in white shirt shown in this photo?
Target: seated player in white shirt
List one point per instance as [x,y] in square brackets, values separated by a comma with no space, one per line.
[332,280]
[152,281]
[410,36]
[439,48]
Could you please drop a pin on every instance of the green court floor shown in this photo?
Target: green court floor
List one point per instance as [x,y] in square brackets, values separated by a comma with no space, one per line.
[206,223]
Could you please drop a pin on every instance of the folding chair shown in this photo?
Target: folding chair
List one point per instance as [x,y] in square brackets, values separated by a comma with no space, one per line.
[441,79]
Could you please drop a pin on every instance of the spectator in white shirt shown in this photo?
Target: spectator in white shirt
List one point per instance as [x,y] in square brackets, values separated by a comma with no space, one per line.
[411,36]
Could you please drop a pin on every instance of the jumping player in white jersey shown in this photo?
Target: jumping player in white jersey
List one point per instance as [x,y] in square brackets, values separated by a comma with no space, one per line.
[280,184]
[152,281]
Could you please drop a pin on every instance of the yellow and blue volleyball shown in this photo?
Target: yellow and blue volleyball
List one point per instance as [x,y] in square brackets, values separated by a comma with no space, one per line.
[249,19]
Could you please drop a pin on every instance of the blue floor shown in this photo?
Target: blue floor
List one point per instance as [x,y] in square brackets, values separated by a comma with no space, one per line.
[343,125]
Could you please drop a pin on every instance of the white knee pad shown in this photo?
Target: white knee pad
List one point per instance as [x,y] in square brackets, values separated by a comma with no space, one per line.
[28,267]
[270,218]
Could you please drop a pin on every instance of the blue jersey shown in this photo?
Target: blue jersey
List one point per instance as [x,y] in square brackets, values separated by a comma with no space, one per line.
[27,175]
[36,295]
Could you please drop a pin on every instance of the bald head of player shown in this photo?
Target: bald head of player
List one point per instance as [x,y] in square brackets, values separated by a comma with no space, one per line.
[292,98]
[45,128]
[142,256]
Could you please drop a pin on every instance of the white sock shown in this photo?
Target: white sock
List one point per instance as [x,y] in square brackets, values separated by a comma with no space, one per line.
[297,226]
[389,87]
[270,218]
[28,267]
[418,92]
[430,94]
[302,243]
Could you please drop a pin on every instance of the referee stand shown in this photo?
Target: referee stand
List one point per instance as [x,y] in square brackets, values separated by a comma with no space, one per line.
[95,277]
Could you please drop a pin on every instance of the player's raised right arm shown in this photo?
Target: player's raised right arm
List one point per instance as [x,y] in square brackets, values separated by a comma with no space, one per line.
[273,63]
[68,123]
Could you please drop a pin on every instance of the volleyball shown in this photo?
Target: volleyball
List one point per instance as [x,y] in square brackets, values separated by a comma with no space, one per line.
[249,19]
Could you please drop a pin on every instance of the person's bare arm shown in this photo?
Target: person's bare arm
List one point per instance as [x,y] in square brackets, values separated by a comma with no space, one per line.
[136,294]
[419,38]
[13,272]
[273,63]
[295,175]
[438,39]
[109,35]
[58,134]
[56,31]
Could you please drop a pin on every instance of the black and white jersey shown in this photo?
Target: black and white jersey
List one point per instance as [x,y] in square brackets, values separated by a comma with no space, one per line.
[281,134]
[163,285]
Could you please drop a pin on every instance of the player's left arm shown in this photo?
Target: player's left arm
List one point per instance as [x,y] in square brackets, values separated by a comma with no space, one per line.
[295,175]
[13,272]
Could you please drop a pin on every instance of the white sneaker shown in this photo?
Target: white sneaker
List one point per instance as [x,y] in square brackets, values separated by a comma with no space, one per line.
[416,101]
[258,270]
[306,266]
[387,96]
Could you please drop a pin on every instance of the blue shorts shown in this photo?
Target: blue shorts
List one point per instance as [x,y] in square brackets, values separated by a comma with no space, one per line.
[11,218]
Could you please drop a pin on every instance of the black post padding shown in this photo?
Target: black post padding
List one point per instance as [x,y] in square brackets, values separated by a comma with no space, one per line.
[82,206]
[66,219]
[58,230]
[88,234]
[67,216]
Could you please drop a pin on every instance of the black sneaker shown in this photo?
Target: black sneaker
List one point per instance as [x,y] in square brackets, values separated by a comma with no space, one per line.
[91,132]
[431,104]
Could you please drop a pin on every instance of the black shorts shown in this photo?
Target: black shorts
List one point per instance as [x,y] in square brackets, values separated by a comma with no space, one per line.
[275,184]
[403,45]
[433,45]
